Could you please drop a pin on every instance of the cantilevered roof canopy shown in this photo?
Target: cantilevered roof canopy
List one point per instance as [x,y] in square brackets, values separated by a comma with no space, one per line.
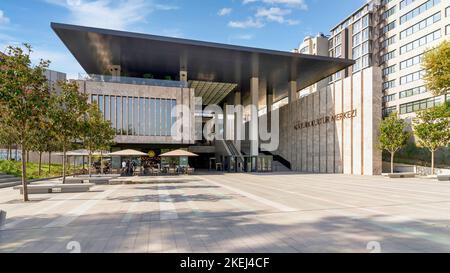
[98,49]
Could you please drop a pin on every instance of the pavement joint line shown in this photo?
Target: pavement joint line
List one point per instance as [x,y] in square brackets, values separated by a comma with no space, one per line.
[167,210]
[131,209]
[72,215]
[14,224]
[262,200]
[195,209]
[400,218]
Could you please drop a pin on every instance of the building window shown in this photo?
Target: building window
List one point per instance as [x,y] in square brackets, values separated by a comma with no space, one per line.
[365,21]
[387,42]
[137,116]
[412,92]
[412,77]
[389,98]
[447,30]
[388,13]
[421,42]
[338,39]
[405,3]
[388,84]
[419,105]
[411,61]
[389,70]
[388,56]
[389,110]
[421,25]
[388,27]
[338,51]
[357,39]
[419,10]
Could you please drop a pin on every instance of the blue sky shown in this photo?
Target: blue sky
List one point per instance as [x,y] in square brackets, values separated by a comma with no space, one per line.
[272,24]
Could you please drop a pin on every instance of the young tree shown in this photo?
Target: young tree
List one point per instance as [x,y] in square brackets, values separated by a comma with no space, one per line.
[98,133]
[393,135]
[43,141]
[67,116]
[25,95]
[432,128]
[436,64]
[8,134]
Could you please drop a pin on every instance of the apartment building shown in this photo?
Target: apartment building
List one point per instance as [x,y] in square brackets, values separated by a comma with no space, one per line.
[394,35]
[313,45]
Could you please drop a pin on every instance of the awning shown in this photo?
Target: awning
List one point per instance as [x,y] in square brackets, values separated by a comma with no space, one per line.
[178,153]
[127,153]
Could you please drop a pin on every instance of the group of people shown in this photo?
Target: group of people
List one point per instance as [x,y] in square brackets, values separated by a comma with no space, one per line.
[128,167]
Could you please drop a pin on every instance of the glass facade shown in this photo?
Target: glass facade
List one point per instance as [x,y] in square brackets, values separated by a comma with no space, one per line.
[137,116]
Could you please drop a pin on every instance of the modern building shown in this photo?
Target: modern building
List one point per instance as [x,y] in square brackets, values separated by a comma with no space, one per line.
[317,45]
[393,35]
[137,79]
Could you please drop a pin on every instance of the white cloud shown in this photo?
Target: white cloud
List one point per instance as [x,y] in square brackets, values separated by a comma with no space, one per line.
[273,14]
[3,19]
[224,11]
[114,14]
[249,23]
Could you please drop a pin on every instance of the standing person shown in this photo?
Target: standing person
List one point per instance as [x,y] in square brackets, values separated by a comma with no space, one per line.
[124,166]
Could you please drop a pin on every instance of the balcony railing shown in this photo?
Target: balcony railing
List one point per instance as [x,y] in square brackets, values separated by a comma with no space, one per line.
[131,80]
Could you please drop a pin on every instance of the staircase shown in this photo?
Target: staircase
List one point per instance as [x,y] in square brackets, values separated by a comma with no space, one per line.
[9,181]
[279,164]
[233,150]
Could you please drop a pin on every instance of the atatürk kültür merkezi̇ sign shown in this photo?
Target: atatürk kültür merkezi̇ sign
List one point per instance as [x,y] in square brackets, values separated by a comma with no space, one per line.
[328,119]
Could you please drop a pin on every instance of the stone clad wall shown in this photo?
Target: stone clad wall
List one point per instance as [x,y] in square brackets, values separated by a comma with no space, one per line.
[316,138]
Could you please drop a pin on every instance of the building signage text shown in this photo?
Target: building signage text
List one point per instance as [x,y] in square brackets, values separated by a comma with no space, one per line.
[328,119]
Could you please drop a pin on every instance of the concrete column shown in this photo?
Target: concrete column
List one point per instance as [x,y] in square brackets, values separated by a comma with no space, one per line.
[253,128]
[292,91]
[183,76]
[238,119]
[269,98]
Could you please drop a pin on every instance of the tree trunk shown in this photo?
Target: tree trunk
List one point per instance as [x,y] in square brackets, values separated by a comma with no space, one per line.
[432,162]
[8,155]
[28,156]
[40,164]
[89,164]
[101,163]
[64,166]
[49,162]
[392,162]
[24,175]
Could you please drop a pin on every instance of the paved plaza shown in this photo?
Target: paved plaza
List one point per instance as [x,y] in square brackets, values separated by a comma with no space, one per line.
[294,213]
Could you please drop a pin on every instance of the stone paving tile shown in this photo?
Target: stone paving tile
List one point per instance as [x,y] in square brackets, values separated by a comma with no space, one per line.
[236,213]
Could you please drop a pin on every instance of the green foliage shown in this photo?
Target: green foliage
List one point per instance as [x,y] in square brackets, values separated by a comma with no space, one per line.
[24,92]
[393,134]
[432,127]
[24,97]
[97,133]
[67,114]
[436,64]
[14,168]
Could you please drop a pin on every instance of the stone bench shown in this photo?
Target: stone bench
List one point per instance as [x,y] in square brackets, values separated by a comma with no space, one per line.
[74,180]
[443,177]
[401,175]
[51,188]
[98,180]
